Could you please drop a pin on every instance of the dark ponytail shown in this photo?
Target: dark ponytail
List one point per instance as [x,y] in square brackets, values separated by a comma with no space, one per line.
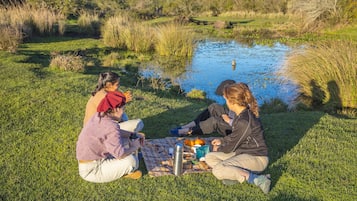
[103,79]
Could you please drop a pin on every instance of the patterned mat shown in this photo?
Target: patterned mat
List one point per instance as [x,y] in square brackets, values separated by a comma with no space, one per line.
[158,161]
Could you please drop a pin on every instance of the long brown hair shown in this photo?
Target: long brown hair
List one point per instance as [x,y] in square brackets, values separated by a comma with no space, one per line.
[240,94]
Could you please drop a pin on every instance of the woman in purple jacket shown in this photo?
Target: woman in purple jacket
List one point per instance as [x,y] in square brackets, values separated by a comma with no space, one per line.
[102,153]
[239,156]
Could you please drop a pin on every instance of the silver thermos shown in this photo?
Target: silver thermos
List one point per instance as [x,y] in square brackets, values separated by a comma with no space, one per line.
[178,159]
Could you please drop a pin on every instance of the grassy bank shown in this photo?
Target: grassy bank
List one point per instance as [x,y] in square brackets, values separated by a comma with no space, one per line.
[312,154]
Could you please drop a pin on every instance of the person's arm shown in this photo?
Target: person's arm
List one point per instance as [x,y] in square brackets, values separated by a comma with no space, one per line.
[233,141]
[125,134]
[115,147]
[227,119]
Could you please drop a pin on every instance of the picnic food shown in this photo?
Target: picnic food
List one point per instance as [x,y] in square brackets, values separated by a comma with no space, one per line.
[197,141]
[189,142]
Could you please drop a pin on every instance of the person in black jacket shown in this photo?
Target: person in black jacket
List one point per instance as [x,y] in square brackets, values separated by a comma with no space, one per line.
[212,119]
[238,157]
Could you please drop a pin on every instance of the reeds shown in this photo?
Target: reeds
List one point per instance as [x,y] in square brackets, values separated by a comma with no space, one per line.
[174,40]
[326,74]
[139,37]
[10,38]
[89,23]
[21,21]
[168,40]
[113,31]
[125,33]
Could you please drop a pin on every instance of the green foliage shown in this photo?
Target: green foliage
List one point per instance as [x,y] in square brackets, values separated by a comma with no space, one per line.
[196,94]
[326,74]
[274,105]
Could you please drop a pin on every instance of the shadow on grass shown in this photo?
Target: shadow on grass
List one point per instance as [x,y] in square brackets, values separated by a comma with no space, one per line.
[283,131]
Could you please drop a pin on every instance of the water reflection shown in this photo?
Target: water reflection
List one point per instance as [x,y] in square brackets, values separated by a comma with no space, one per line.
[215,61]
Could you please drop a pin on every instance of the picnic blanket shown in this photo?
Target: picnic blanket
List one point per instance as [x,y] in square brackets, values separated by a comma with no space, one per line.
[156,156]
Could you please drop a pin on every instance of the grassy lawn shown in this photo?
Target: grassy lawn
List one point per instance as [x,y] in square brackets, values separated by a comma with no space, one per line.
[312,154]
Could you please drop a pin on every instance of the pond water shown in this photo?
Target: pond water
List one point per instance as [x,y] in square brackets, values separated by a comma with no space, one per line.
[256,65]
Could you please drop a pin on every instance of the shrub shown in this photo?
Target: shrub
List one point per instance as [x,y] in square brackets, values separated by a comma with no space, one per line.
[196,94]
[325,74]
[174,40]
[67,62]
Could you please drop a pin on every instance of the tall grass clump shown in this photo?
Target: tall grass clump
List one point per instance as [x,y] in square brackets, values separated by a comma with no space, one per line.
[67,62]
[27,18]
[10,38]
[45,19]
[89,23]
[174,40]
[139,37]
[123,32]
[112,31]
[325,74]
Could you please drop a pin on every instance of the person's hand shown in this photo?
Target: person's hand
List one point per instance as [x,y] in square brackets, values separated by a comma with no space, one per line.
[216,143]
[226,118]
[128,96]
[141,138]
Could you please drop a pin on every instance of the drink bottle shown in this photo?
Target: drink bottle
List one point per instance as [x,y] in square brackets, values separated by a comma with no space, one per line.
[178,159]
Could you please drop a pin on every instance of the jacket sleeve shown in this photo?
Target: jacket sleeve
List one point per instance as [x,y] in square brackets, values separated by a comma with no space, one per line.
[113,143]
[233,141]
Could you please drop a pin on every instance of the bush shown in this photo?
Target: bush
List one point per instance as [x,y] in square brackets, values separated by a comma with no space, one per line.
[196,94]
[326,74]
[67,62]
[174,40]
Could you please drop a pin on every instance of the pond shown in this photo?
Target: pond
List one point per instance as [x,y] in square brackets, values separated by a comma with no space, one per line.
[256,65]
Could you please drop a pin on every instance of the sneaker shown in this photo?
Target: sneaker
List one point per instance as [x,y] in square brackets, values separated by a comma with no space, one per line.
[176,132]
[229,182]
[263,182]
[134,175]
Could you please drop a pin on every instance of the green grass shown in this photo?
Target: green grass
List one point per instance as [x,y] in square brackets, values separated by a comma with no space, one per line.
[312,154]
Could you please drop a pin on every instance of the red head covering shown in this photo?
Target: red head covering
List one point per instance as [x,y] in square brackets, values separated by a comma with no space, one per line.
[113,99]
